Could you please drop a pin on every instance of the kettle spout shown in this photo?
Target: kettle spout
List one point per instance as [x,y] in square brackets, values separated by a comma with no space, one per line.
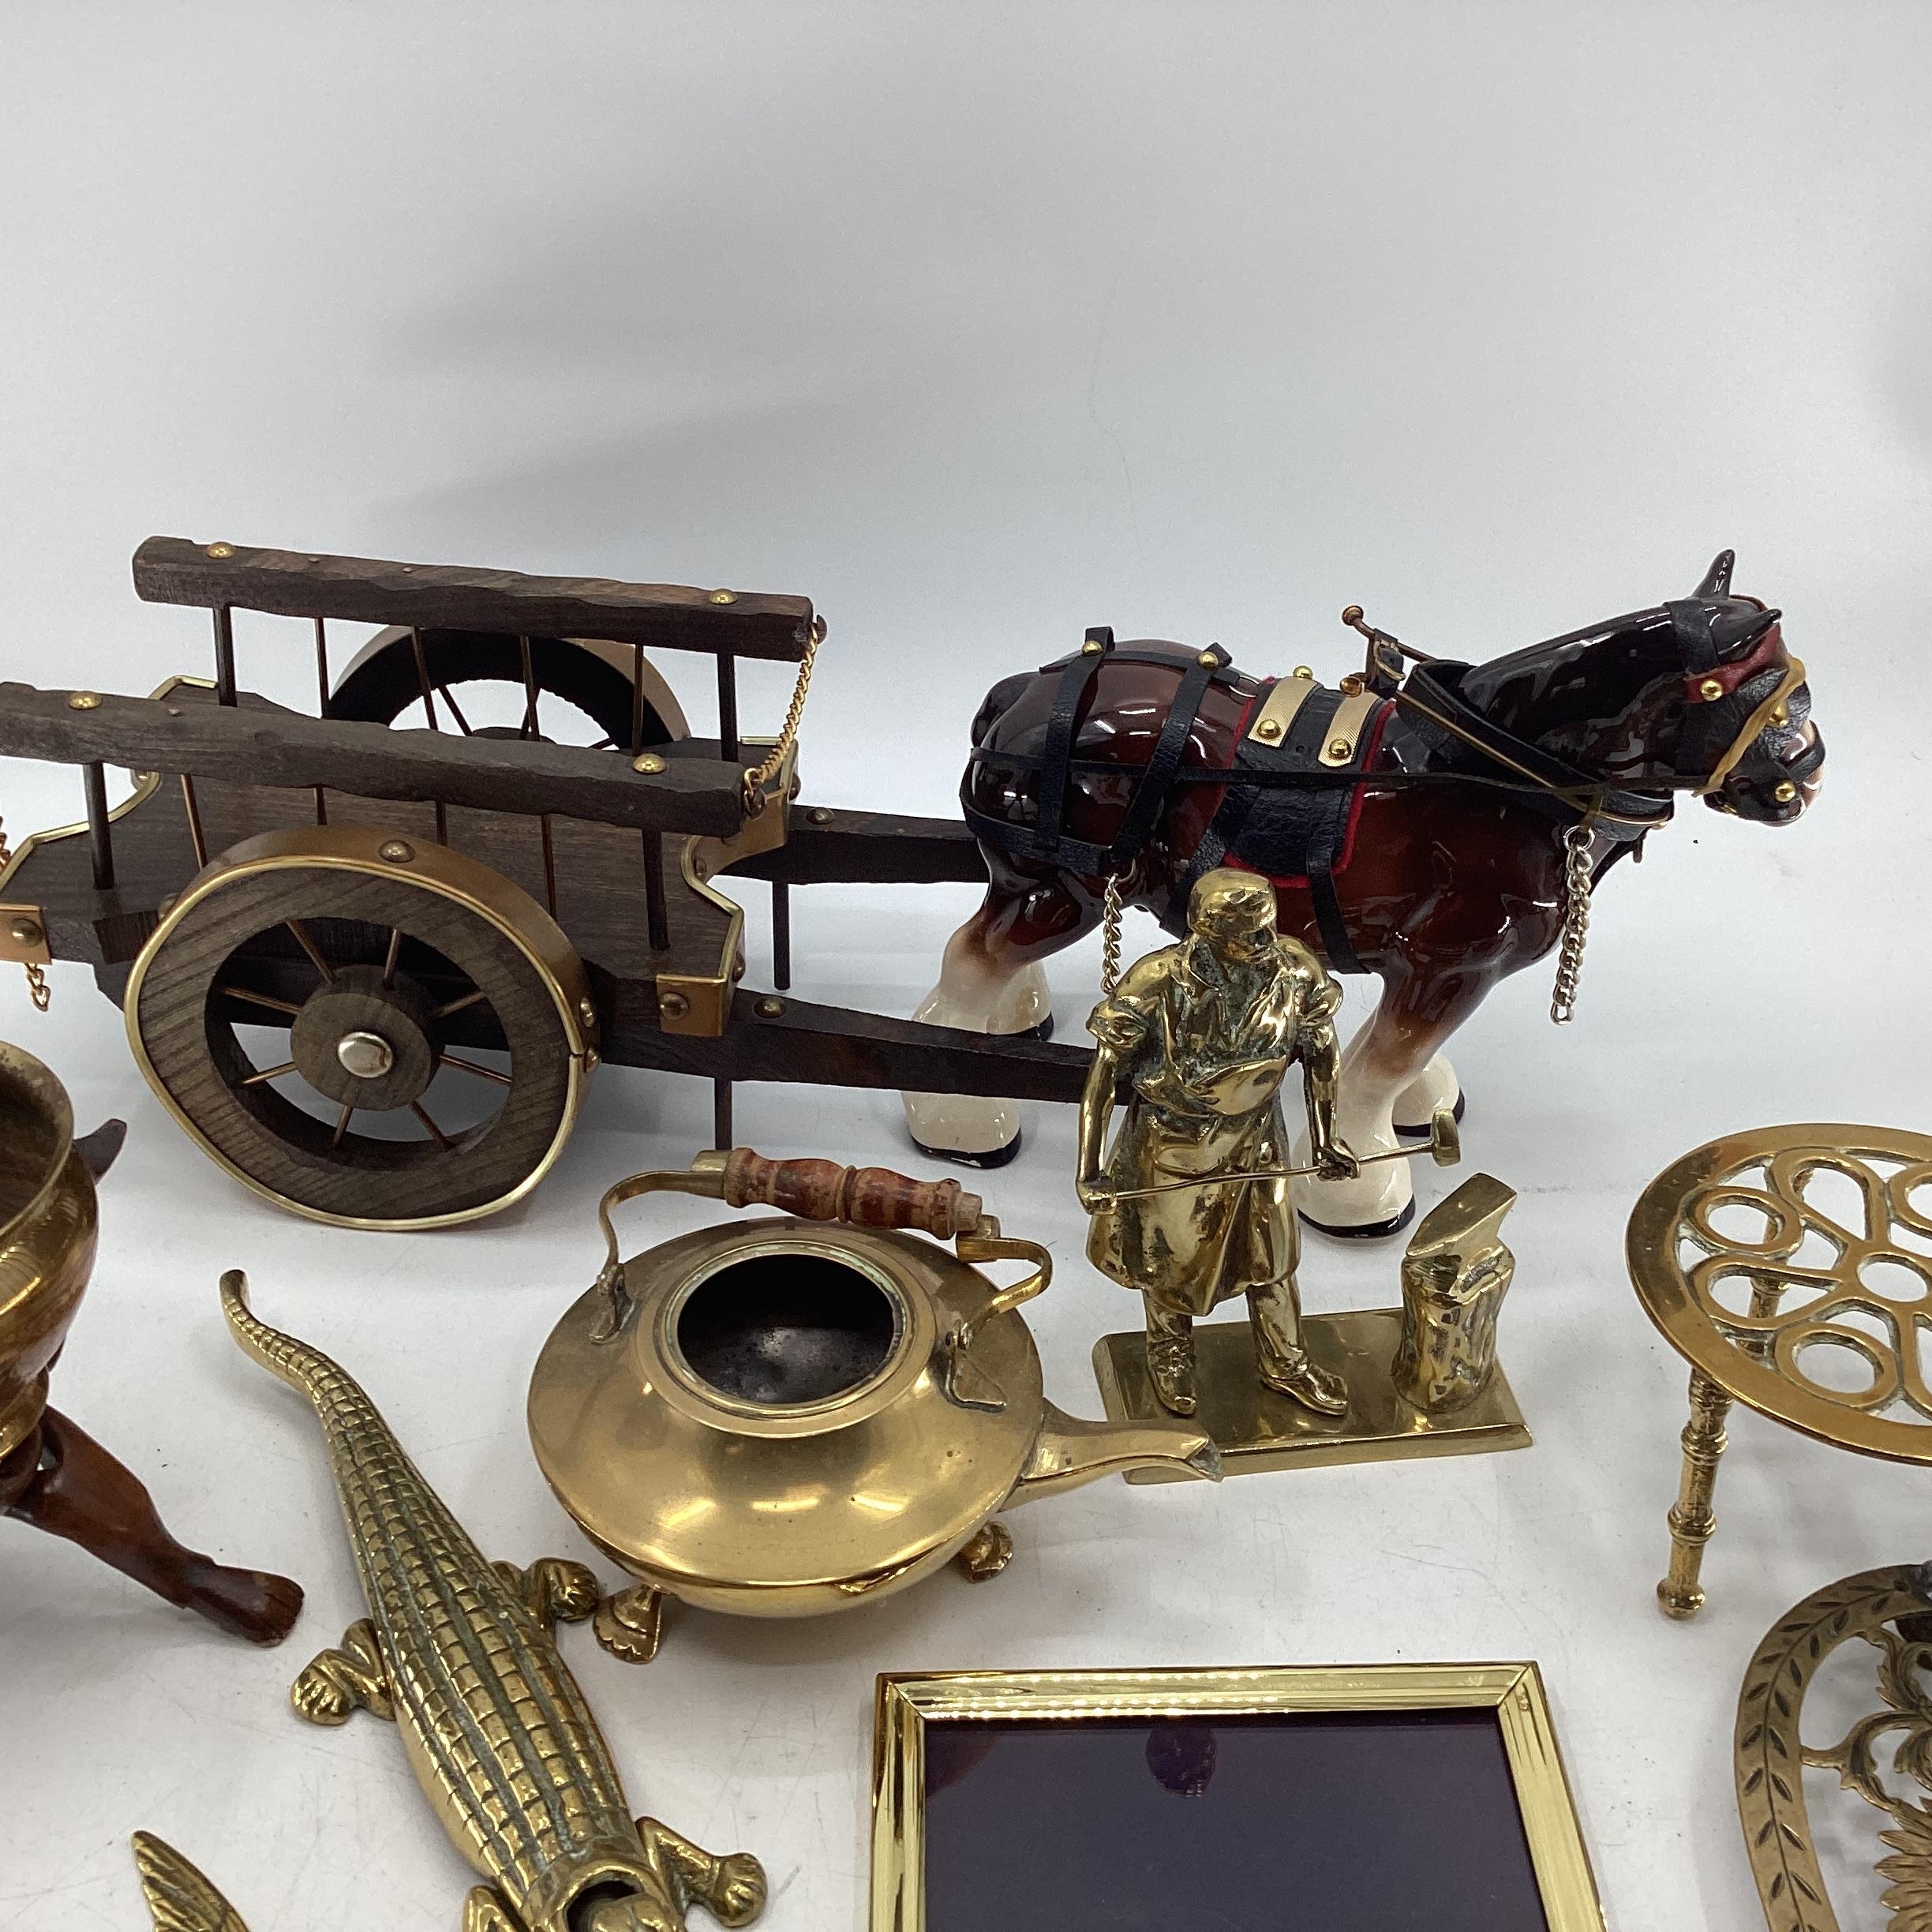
[1068,1451]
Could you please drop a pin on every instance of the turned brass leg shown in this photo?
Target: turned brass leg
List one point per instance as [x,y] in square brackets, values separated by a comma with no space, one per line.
[1691,1519]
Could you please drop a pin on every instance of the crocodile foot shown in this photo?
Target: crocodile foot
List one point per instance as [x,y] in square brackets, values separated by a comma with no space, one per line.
[340,1682]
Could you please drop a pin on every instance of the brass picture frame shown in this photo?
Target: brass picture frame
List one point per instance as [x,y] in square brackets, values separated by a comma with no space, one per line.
[1180,1702]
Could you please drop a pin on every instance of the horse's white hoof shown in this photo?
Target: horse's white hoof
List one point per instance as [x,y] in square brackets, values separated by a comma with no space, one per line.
[967,1128]
[1436,1086]
[1380,1201]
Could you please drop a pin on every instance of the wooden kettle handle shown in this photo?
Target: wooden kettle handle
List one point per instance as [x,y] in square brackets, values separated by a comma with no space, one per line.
[821,1190]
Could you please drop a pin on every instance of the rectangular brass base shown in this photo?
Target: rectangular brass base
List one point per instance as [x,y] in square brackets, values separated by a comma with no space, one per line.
[1257,1429]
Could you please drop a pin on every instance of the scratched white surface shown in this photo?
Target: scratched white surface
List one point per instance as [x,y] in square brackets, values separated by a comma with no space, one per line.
[980,326]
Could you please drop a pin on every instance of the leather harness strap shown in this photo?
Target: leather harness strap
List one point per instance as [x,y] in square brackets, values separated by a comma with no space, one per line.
[1045,839]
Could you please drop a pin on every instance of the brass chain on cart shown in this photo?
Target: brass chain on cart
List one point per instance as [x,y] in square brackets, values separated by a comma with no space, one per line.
[762,773]
[37,988]
[1576,922]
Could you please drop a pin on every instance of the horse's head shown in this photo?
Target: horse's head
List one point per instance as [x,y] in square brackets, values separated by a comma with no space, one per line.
[1699,694]
[1744,739]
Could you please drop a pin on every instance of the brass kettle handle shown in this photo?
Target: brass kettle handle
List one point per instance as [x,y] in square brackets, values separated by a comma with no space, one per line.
[814,1190]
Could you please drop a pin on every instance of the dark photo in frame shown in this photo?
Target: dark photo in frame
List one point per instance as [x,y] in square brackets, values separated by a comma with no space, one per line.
[1252,1801]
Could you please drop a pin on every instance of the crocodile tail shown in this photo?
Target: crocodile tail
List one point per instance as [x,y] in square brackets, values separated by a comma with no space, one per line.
[325,1382]
[179,1898]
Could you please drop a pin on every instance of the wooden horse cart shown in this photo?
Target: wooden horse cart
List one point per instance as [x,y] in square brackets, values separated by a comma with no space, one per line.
[442,927]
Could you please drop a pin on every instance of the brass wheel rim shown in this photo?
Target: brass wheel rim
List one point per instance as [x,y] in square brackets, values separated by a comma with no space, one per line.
[523,967]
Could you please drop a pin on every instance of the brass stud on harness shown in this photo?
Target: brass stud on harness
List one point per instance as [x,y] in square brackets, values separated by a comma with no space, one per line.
[1710,690]
[1092,648]
[1207,660]
[84,700]
[1339,748]
[1304,671]
[1784,792]
[1269,728]
[722,597]
[398,851]
[220,550]
[650,764]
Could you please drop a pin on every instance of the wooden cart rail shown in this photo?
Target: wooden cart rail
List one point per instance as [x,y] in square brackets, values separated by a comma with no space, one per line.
[300,583]
[256,743]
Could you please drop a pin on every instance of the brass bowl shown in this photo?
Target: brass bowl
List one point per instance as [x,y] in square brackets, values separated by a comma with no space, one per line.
[47,1233]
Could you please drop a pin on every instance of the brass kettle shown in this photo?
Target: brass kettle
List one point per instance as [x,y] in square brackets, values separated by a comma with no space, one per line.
[782,1417]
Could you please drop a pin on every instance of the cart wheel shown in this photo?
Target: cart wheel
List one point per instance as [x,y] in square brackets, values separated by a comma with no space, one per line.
[438,1026]
[478,685]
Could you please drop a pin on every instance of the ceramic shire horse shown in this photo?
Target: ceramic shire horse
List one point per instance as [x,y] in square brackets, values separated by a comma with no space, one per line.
[1438,827]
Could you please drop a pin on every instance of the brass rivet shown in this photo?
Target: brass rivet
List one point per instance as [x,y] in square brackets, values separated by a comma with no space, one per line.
[174,711]
[1302,670]
[820,814]
[84,700]
[1208,659]
[1092,648]
[27,932]
[221,550]
[700,869]
[1268,728]
[1710,690]
[398,851]
[673,1005]
[738,970]
[650,764]
[724,596]
[770,1009]
[1338,747]
[1351,685]
[166,905]
[590,1059]
[1781,716]
[1785,793]
[586,1013]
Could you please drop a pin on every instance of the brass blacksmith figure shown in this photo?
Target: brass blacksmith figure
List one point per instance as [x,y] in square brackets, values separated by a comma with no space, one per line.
[1185,1207]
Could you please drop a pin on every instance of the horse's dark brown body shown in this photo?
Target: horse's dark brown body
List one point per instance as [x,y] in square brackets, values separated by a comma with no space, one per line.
[1455,875]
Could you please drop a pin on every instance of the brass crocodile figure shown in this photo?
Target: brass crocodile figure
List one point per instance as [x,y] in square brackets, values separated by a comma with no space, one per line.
[459,1652]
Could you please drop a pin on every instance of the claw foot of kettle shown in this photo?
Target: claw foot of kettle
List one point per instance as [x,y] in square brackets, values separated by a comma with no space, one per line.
[630,1625]
[986,1553]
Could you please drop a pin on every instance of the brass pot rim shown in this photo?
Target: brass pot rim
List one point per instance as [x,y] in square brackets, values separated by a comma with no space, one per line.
[662,1361]
[19,1068]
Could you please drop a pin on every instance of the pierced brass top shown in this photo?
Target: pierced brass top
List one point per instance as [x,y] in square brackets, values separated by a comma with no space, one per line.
[1740,1304]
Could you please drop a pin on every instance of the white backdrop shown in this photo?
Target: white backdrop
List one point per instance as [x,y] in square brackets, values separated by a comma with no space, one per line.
[980,325]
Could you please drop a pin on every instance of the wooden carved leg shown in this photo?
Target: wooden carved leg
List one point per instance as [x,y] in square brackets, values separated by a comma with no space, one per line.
[732,1888]
[630,1624]
[985,1552]
[553,1591]
[1691,1518]
[350,1677]
[79,1491]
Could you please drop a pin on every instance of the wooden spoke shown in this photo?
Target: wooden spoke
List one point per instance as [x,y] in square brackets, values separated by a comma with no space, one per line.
[258,999]
[422,677]
[268,1073]
[309,946]
[604,744]
[457,1005]
[449,697]
[469,1066]
[389,958]
[530,689]
[342,1124]
[435,1133]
